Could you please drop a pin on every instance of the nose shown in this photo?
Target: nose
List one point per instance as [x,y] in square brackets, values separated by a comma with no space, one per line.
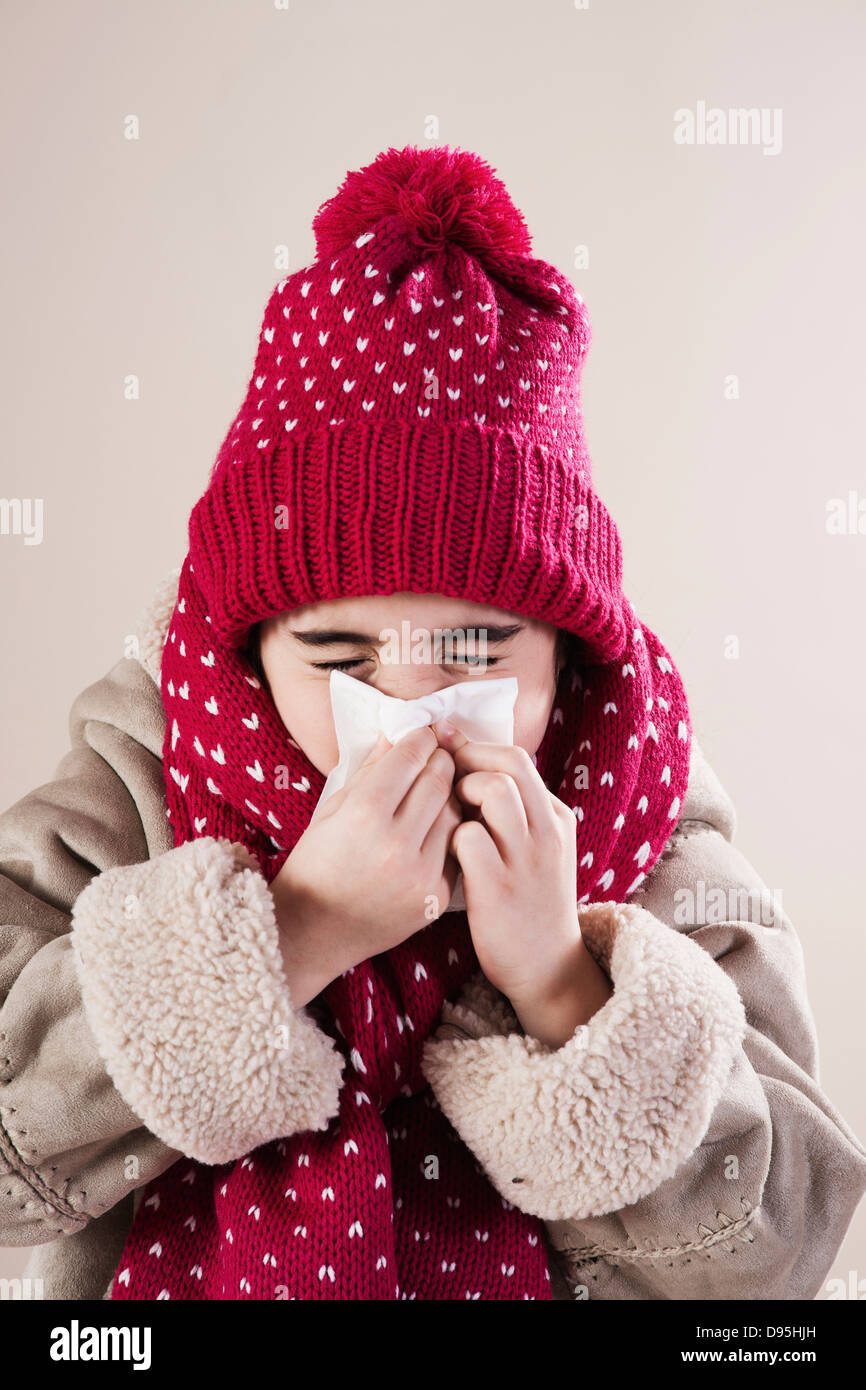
[410,681]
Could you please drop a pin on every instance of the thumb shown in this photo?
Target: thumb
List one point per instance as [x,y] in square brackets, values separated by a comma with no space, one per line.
[337,798]
[379,747]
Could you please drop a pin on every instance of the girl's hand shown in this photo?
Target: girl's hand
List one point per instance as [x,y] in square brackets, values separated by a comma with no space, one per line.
[519,863]
[361,877]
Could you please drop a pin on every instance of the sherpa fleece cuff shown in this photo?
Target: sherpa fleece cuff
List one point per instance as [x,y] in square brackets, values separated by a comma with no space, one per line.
[595,1125]
[183,987]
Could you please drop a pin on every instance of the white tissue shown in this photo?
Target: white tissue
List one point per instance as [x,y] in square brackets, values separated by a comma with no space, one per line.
[483,710]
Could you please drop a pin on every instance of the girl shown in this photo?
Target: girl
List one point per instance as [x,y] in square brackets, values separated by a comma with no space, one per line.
[301,1070]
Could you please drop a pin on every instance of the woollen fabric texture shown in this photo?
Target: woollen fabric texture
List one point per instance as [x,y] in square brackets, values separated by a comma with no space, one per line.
[412,423]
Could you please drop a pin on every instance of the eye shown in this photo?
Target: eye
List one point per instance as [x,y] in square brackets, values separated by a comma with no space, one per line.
[346,665]
[337,665]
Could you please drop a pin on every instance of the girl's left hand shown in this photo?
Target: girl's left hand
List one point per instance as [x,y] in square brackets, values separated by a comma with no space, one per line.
[519,870]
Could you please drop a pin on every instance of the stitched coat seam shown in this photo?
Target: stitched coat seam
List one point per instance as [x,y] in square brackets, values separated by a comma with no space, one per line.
[25,1173]
[577,1255]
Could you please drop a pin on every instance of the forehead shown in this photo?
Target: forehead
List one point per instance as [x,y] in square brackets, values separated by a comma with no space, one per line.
[375,611]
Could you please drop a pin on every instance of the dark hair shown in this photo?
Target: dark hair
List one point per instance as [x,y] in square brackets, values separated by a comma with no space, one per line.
[568,649]
[253,655]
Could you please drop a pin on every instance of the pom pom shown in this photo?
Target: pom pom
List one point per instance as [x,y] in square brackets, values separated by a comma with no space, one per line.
[441,194]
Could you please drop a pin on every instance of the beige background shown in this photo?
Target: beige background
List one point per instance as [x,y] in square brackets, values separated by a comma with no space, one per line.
[156,257]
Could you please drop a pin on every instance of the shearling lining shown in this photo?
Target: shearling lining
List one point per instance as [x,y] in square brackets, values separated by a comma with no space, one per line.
[183,987]
[595,1125]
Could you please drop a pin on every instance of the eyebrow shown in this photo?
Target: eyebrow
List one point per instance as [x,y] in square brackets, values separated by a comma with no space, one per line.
[334,637]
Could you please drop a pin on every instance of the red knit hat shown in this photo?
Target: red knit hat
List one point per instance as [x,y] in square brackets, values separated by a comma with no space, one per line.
[426,368]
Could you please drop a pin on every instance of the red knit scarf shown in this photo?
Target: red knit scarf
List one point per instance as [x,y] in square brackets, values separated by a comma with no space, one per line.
[388,1202]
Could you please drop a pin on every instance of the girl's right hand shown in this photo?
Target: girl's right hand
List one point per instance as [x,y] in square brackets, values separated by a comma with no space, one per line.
[373,868]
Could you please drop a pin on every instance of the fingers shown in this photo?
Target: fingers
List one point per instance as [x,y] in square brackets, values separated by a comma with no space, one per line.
[389,775]
[428,794]
[515,763]
[477,854]
[438,838]
[437,848]
[498,797]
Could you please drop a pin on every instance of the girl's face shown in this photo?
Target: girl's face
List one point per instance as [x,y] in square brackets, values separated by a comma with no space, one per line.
[299,649]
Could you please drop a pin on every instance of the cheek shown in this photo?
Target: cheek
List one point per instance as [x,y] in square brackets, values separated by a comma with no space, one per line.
[304,706]
[532,710]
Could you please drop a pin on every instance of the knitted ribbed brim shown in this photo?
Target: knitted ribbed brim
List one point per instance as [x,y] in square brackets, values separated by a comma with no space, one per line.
[360,509]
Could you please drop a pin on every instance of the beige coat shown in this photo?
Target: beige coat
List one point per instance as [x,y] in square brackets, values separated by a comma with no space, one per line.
[678,1146]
